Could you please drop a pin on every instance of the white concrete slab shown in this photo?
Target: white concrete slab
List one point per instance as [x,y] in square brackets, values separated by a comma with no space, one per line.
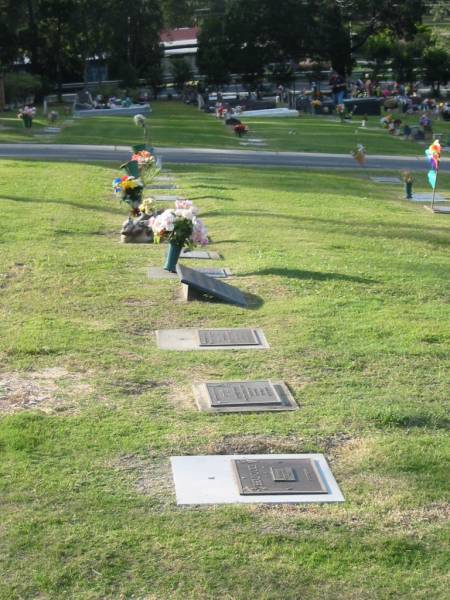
[211,480]
[187,339]
[427,197]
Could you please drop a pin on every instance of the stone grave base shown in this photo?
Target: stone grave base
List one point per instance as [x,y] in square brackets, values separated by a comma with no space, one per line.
[160,273]
[441,210]
[213,480]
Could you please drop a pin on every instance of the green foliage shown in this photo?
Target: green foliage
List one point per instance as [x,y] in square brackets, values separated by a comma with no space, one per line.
[213,48]
[19,86]
[181,72]
[436,67]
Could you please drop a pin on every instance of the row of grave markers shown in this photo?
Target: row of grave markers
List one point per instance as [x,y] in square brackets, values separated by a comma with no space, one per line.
[237,479]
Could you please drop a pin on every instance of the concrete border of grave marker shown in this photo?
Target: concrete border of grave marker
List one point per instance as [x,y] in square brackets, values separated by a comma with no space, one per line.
[243,396]
[212,339]
[387,180]
[216,479]
[442,210]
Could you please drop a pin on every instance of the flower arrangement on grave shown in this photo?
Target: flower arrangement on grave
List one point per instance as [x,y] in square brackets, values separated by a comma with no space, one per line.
[53,116]
[147,165]
[340,109]
[316,104]
[240,129]
[359,154]
[148,207]
[130,190]
[27,114]
[180,227]
[408,179]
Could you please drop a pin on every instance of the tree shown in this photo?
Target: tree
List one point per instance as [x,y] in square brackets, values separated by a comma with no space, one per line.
[379,49]
[181,71]
[212,55]
[436,68]
[154,74]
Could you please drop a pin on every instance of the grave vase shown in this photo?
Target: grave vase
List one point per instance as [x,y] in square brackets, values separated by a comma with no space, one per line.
[172,257]
[408,190]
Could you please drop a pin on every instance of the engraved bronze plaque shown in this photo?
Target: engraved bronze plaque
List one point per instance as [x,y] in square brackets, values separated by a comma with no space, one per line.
[228,337]
[243,393]
[261,476]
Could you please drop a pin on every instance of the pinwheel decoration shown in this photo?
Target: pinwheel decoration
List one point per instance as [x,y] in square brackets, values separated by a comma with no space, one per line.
[433,154]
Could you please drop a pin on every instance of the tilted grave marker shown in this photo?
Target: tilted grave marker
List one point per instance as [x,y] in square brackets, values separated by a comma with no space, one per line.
[203,284]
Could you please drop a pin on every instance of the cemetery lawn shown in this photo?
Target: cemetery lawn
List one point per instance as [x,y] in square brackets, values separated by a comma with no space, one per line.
[351,287]
[173,124]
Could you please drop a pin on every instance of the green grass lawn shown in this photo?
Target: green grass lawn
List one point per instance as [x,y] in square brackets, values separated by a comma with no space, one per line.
[351,288]
[173,124]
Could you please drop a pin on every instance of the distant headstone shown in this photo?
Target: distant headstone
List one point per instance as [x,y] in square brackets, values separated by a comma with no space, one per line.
[278,476]
[199,254]
[389,180]
[201,283]
[243,396]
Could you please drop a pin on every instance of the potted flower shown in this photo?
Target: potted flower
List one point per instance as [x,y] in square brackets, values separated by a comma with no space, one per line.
[180,227]
[359,154]
[240,129]
[316,104]
[408,179]
[27,114]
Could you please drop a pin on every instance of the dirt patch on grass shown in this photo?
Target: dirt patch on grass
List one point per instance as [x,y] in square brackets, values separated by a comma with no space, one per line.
[14,272]
[256,444]
[53,390]
[149,476]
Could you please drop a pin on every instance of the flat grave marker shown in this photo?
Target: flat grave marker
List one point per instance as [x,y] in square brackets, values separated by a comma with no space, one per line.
[164,198]
[389,180]
[427,197]
[196,282]
[211,339]
[257,478]
[443,210]
[219,273]
[161,186]
[200,254]
[243,396]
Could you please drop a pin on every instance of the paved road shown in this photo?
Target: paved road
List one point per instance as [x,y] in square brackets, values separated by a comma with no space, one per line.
[215,156]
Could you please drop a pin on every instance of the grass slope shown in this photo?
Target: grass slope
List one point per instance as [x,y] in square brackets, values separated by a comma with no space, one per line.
[351,288]
[173,124]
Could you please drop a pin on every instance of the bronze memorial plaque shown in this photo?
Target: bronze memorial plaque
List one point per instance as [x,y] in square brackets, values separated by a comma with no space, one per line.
[243,393]
[228,337]
[261,476]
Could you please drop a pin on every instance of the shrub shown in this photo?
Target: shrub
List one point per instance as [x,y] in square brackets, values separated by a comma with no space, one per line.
[20,86]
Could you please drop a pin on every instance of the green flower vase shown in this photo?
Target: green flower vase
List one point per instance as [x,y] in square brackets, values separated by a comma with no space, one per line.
[172,257]
[408,190]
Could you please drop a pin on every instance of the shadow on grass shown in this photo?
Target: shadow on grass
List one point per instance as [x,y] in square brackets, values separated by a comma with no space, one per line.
[111,210]
[314,275]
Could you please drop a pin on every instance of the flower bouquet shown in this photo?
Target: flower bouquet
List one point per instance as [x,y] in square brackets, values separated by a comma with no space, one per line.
[141,121]
[27,114]
[180,227]
[359,154]
[240,129]
[147,165]
[130,190]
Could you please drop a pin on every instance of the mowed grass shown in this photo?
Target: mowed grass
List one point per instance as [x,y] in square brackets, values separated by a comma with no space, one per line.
[173,124]
[351,288]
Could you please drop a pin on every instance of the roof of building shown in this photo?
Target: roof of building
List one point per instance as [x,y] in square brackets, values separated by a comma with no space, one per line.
[182,34]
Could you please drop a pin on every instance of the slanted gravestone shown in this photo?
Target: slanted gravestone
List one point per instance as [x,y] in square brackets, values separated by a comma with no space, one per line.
[257,478]
[196,283]
[218,273]
[160,273]
[243,396]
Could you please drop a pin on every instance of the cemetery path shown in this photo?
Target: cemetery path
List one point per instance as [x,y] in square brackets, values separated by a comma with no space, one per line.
[260,158]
